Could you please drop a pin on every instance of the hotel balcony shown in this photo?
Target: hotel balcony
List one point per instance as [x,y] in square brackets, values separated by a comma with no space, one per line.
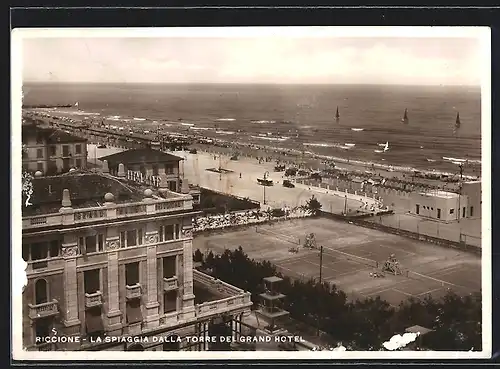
[93,299]
[215,297]
[134,291]
[43,310]
[108,212]
[170,284]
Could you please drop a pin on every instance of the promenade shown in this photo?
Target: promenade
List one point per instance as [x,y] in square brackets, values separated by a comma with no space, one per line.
[195,171]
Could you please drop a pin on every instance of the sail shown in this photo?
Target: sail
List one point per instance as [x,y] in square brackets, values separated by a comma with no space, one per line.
[457,121]
[337,115]
[405,117]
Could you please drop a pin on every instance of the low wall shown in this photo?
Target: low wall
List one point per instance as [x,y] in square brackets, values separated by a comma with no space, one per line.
[400,232]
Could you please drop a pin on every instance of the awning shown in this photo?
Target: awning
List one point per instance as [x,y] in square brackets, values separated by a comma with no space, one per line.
[94,322]
[134,313]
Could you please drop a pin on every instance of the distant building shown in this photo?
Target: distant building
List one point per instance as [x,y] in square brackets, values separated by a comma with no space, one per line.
[149,162]
[473,192]
[111,257]
[439,205]
[52,151]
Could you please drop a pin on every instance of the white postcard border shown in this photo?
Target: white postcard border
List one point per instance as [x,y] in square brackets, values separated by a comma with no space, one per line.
[18,265]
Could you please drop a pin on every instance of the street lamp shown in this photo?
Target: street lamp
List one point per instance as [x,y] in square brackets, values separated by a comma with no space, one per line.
[266,174]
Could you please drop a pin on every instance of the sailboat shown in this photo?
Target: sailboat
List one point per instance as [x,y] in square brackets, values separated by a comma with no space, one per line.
[337,115]
[405,117]
[385,147]
[457,121]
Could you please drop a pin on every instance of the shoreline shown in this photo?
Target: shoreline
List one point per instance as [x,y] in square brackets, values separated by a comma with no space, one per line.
[292,156]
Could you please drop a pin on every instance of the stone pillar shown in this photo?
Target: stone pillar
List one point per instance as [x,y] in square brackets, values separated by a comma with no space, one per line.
[71,322]
[121,170]
[105,167]
[114,313]
[188,296]
[152,319]
[204,334]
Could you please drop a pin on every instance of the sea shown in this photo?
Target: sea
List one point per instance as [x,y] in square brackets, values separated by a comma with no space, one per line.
[298,117]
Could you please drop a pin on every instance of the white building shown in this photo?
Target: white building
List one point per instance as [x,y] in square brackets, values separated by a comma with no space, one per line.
[439,205]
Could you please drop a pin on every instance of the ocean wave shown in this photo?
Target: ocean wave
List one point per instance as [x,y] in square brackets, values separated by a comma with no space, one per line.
[263,121]
[225,132]
[140,119]
[357,129]
[200,128]
[225,119]
[280,139]
[187,124]
[76,112]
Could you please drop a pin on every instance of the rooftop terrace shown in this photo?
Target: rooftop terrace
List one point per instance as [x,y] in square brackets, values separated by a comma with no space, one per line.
[91,190]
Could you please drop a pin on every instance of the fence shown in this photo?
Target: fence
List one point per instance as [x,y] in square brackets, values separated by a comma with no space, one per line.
[380,223]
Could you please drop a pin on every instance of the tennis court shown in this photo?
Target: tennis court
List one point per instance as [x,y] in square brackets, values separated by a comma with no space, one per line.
[350,254]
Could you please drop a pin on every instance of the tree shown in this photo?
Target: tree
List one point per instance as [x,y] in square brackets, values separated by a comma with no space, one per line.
[198,256]
[313,205]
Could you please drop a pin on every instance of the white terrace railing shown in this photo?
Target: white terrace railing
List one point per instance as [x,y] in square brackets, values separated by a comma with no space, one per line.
[113,211]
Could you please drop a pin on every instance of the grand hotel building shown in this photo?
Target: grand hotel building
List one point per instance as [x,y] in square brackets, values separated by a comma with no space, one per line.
[107,256]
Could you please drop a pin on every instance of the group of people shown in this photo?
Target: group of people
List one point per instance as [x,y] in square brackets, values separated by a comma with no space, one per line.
[221,221]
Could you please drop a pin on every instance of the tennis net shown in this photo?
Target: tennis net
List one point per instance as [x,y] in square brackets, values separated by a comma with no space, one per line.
[351,257]
[277,235]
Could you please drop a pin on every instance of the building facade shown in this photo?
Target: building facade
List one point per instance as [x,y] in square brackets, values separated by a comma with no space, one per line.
[52,151]
[439,205]
[109,267]
[474,193]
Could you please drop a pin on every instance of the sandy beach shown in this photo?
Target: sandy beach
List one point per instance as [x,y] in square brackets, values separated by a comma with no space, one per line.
[194,167]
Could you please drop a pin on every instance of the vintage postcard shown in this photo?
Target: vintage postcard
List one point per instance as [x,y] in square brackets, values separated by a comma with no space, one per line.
[199,193]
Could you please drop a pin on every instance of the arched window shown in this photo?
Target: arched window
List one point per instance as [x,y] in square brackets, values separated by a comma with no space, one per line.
[136,347]
[41,291]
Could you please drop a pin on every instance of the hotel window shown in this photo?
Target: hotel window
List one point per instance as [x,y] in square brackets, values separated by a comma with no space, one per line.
[42,328]
[65,150]
[452,211]
[39,153]
[39,251]
[52,150]
[91,280]
[41,292]
[54,248]
[78,149]
[439,213]
[169,301]
[169,266]
[172,186]
[131,238]
[39,166]
[169,169]
[471,211]
[132,274]
[166,232]
[463,212]
[134,313]
[39,138]
[78,163]
[90,244]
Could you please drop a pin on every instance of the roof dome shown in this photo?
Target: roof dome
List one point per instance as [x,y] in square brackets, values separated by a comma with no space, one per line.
[109,197]
[38,173]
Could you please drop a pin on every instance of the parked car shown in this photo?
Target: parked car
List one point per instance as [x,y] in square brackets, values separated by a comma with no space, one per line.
[287,183]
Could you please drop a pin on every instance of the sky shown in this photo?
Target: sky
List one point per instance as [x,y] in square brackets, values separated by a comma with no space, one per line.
[270,59]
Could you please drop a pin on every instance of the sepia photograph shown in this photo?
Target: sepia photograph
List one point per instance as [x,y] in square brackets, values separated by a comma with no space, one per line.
[199,193]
